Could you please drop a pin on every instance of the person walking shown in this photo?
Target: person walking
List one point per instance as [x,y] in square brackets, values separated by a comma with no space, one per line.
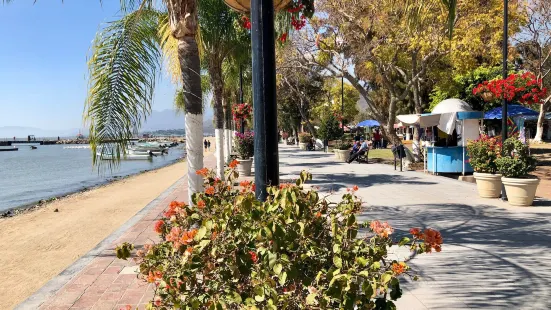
[206,144]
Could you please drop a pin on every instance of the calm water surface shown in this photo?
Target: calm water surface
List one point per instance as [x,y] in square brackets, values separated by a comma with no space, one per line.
[27,176]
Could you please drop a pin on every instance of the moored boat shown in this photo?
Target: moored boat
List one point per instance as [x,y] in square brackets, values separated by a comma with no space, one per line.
[8,148]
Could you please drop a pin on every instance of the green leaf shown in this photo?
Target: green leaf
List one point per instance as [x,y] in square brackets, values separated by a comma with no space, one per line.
[282,278]
[336,248]
[201,233]
[362,261]
[272,259]
[376,266]
[351,220]
[278,268]
[259,293]
[337,261]
[364,273]
[311,299]
[404,241]
[386,277]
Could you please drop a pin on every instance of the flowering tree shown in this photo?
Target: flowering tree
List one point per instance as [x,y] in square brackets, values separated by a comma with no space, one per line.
[533,44]
[241,112]
[294,251]
[524,88]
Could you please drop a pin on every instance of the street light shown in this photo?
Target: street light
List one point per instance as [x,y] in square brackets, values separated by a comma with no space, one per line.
[505,73]
[266,157]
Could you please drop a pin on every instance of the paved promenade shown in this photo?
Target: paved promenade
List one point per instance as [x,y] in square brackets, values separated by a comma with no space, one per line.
[494,256]
[101,281]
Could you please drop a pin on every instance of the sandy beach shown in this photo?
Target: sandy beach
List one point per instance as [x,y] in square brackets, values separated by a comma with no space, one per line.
[38,245]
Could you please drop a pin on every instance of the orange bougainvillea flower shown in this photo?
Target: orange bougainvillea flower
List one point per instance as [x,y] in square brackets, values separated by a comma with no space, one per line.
[318,214]
[415,232]
[127,307]
[254,257]
[233,164]
[202,172]
[159,225]
[189,250]
[201,204]
[355,188]
[381,229]
[245,183]
[188,236]
[398,268]
[209,191]
[213,236]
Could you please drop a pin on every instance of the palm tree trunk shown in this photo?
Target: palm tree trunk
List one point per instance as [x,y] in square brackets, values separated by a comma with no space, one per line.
[215,72]
[227,131]
[188,54]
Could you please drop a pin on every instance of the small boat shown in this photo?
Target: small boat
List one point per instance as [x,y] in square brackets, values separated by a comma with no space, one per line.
[33,147]
[140,152]
[8,148]
[137,157]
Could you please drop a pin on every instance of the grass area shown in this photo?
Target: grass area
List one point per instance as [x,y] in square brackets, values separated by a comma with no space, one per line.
[381,153]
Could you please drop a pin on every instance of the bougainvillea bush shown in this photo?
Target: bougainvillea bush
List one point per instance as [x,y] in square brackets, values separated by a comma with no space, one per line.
[483,153]
[304,137]
[294,251]
[524,88]
[244,144]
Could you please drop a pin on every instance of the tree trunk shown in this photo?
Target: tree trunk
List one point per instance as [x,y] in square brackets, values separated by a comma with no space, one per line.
[215,72]
[541,119]
[227,131]
[188,55]
[304,116]
[418,110]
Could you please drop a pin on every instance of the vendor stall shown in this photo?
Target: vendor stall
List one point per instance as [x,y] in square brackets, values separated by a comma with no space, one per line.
[453,123]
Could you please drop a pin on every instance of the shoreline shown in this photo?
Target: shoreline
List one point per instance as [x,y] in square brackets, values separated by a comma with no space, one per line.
[37,205]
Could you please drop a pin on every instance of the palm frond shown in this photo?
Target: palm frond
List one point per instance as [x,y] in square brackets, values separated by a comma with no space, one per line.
[123,68]
[169,46]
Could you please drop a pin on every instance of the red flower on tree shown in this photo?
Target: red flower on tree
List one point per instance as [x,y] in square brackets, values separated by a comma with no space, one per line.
[525,88]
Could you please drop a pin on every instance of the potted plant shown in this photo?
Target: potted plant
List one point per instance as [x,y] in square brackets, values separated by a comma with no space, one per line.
[285,136]
[342,151]
[244,144]
[304,138]
[482,157]
[514,165]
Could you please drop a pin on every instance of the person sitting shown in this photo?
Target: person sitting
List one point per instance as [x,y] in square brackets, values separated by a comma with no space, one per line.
[361,151]
[355,147]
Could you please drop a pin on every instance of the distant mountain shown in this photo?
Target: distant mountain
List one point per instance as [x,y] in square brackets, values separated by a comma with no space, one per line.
[23,132]
[169,119]
[158,120]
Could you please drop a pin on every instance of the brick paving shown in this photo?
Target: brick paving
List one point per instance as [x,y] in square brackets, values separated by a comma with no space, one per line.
[110,283]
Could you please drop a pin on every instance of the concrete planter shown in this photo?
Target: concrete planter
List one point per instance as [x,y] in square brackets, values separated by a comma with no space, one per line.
[342,155]
[244,167]
[488,185]
[302,146]
[520,192]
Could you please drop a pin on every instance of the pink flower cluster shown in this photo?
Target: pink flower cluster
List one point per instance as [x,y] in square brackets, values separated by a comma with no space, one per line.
[382,229]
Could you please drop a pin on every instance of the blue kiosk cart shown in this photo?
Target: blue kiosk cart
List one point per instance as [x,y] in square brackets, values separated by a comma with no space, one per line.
[452,118]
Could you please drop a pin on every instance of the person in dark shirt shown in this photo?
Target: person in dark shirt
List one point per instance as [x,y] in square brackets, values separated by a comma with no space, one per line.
[206,144]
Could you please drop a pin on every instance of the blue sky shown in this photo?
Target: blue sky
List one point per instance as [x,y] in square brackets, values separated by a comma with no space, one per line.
[43,49]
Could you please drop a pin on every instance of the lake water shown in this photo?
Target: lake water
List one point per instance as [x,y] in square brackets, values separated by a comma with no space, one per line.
[27,176]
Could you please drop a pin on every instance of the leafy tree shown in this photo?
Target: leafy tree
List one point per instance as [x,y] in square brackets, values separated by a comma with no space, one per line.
[533,44]
[330,128]
[333,101]
[462,85]
[123,68]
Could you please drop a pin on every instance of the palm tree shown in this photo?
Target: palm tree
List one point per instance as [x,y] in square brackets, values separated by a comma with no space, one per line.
[125,62]
[221,36]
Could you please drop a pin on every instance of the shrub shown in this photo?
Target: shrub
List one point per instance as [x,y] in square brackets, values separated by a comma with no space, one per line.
[342,145]
[244,144]
[330,128]
[294,251]
[483,154]
[516,161]
[304,137]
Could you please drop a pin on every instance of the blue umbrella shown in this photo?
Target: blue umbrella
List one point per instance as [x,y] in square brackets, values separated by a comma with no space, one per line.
[369,123]
[512,111]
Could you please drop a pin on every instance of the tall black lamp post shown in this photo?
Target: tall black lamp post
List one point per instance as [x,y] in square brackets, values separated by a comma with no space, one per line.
[266,158]
[505,73]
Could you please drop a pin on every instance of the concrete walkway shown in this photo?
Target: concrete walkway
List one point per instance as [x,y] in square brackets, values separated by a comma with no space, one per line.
[99,280]
[494,256]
